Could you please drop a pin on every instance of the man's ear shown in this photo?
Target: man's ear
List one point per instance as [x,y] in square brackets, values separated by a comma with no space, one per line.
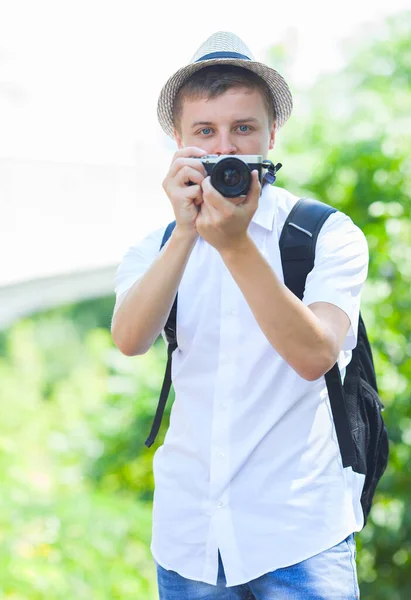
[178,139]
[272,135]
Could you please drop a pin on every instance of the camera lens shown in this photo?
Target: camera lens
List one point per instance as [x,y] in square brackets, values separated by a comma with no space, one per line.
[231,177]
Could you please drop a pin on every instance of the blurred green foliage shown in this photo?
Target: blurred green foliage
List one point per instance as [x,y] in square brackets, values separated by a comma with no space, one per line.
[349,146]
[75,508]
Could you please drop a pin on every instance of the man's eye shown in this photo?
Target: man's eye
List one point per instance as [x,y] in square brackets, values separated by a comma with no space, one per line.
[206,131]
[244,128]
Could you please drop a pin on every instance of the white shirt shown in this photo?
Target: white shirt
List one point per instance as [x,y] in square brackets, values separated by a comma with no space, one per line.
[250,463]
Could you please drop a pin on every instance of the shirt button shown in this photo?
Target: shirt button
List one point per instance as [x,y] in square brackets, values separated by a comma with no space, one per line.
[221,455]
[224,406]
[220,504]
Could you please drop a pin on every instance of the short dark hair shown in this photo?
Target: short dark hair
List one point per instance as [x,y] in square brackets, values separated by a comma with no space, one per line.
[213,81]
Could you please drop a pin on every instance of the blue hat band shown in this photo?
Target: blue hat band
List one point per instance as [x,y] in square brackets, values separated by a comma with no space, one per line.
[223,55]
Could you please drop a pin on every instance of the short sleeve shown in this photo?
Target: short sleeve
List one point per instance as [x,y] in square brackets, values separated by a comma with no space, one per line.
[340,270]
[136,261]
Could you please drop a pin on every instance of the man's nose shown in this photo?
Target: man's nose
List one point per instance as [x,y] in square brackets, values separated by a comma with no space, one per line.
[225,144]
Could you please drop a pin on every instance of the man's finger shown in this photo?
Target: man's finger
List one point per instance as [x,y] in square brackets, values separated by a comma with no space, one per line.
[255,182]
[194,192]
[182,162]
[212,197]
[188,175]
[188,152]
[255,189]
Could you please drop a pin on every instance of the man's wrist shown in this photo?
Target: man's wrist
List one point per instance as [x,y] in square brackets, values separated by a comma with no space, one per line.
[238,246]
[185,236]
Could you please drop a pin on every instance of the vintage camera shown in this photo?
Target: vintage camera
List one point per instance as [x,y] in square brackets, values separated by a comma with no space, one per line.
[231,174]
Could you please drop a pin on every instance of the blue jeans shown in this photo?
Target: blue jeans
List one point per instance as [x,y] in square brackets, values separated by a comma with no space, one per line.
[330,575]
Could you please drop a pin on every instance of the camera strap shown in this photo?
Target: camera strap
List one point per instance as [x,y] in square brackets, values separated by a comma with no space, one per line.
[270,174]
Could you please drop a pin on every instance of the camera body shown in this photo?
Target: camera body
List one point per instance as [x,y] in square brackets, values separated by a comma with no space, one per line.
[231,174]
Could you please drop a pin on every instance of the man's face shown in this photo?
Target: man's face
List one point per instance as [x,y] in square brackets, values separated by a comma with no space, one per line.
[234,123]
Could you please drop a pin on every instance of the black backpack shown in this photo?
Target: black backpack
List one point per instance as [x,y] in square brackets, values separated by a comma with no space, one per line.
[356,406]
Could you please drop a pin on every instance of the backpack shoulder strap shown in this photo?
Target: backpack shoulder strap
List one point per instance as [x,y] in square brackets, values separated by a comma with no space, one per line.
[171,323]
[167,233]
[170,331]
[297,247]
[298,240]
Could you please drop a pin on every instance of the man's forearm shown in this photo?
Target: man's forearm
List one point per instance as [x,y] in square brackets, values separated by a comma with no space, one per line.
[292,328]
[142,314]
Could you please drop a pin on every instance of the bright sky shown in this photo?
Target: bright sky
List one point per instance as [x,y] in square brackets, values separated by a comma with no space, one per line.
[79,79]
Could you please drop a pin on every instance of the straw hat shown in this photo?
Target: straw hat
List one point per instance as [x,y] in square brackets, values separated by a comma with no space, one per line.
[224,48]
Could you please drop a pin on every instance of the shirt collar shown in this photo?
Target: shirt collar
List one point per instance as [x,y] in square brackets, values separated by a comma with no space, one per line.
[267,204]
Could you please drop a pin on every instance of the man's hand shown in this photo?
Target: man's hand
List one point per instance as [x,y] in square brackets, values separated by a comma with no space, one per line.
[223,222]
[183,187]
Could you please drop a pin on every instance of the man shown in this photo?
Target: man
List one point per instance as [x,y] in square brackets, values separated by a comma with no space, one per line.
[251,498]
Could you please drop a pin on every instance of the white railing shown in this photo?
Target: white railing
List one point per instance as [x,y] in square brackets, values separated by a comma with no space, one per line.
[28,297]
